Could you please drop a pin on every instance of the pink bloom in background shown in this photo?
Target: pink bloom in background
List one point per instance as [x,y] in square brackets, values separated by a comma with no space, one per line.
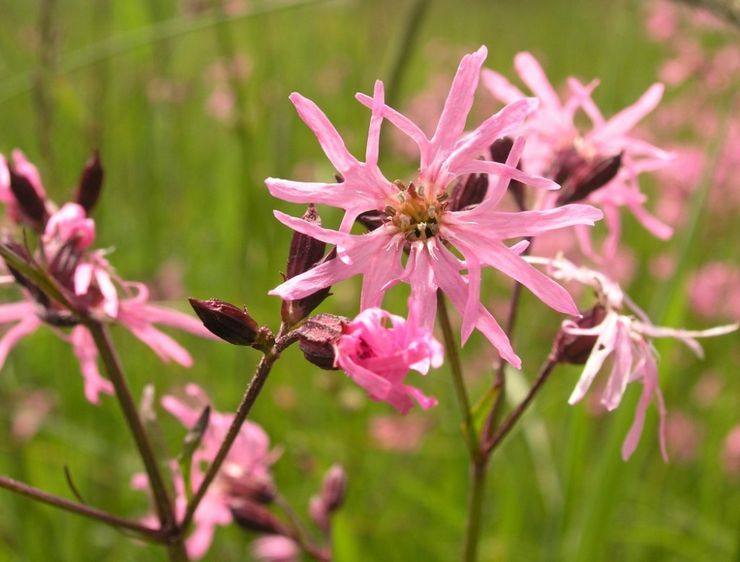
[683,435]
[275,548]
[554,142]
[625,334]
[377,350]
[246,468]
[91,285]
[731,452]
[416,217]
[714,291]
[398,433]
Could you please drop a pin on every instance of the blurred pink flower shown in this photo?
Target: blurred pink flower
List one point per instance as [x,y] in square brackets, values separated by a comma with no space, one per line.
[707,389]
[662,20]
[714,291]
[731,452]
[396,433]
[29,412]
[245,470]
[416,216]
[275,548]
[377,350]
[554,141]
[625,333]
[683,436]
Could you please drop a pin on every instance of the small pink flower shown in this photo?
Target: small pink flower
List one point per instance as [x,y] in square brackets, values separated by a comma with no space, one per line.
[275,548]
[396,433]
[731,452]
[552,134]
[416,217]
[625,334]
[714,290]
[377,350]
[245,469]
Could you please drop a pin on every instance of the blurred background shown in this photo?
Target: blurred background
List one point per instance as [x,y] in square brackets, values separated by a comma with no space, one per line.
[188,103]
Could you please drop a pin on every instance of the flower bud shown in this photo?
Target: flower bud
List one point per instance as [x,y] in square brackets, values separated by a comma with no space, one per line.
[305,253]
[30,203]
[575,349]
[334,488]
[469,192]
[91,183]
[580,178]
[228,322]
[260,489]
[371,219]
[254,517]
[317,336]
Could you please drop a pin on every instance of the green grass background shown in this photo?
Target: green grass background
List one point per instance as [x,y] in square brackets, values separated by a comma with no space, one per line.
[184,189]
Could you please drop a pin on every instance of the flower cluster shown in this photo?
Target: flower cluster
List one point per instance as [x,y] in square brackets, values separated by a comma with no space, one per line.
[83,276]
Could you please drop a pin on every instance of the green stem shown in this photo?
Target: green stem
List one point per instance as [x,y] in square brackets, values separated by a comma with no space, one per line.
[476,493]
[458,381]
[162,501]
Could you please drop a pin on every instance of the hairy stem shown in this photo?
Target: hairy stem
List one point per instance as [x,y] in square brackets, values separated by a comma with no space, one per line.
[80,509]
[458,381]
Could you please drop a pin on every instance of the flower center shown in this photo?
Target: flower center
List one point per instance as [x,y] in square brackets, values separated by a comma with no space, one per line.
[414,215]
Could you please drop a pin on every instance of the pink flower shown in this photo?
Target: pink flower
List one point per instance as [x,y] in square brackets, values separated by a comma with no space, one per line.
[625,333]
[90,284]
[731,452]
[416,216]
[246,468]
[555,145]
[714,290]
[275,548]
[377,350]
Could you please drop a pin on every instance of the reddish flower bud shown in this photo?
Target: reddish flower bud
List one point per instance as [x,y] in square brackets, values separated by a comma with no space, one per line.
[30,203]
[258,489]
[254,517]
[318,513]
[228,322]
[317,337]
[371,219]
[334,488]
[580,178]
[91,183]
[469,192]
[305,253]
[574,349]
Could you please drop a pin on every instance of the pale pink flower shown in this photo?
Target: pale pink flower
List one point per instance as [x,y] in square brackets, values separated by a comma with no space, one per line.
[416,216]
[553,139]
[714,290]
[246,467]
[683,436]
[731,452]
[29,411]
[397,433]
[377,350]
[625,333]
[275,548]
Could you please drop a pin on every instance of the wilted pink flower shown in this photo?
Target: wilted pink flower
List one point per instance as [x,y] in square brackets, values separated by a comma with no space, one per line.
[625,333]
[245,470]
[731,452]
[416,216]
[377,350]
[275,548]
[555,145]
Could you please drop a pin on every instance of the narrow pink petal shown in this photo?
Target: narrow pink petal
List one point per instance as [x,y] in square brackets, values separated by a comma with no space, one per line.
[603,347]
[500,87]
[199,541]
[447,273]
[423,285]
[82,278]
[614,225]
[534,77]
[334,194]
[459,101]
[621,368]
[87,355]
[311,229]
[496,192]
[384,270]
[651,223]
[110,294]
[583,94]
[405,125]
[377,386]
[376,120]
[16,311]
[547,290]
[163,345]
[156,314]
[649,377]
[497,168]
[329,139]
[186,415]
[502,226]
[25,327]
[472,304]
[626,119]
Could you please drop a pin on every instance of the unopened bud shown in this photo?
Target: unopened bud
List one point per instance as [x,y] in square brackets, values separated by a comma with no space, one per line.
[580,178]
[372,220]
[469,192]
[575,349]
[334,488]
[317,336]
[228,322]
[260,489]
[90,184]
[30,203]
[318,512]
[254,517]
[305,253]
